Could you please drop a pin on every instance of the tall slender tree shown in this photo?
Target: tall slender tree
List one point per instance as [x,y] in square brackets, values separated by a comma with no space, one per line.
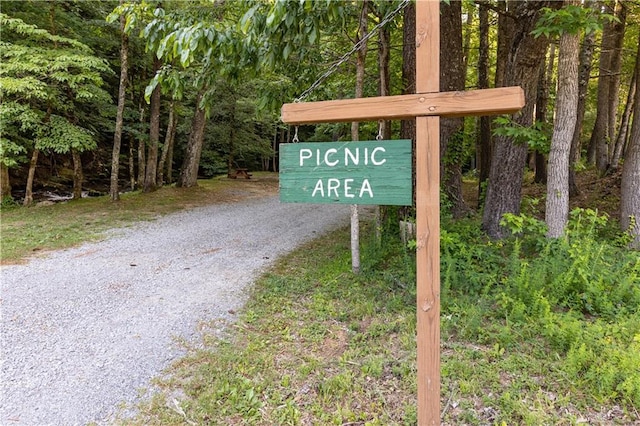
[584,72]
[557,202]
[150,176]
[114,191]
[601,136]
[361,56]
[483,145]
[630,192]
[621,138]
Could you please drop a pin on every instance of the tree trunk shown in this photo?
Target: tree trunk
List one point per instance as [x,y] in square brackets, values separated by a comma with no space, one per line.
[384,85]
[408,127]
[142,149]
[616,67]
[557,204]
[384,89]
[28,193]
[526,54]
[169,163]
[452,78]
[359,90]
[167,143]
[630,194]
[232,137]
[621,139]
[466,42]
[506,28]
[150,177]
[545,81]
[598,152]
[114,191]
[483,146]
[584,71]
[189,172]
[132,174]
[5,183]
[78,177]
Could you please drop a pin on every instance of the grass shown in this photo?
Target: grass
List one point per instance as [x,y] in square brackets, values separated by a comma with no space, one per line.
[25,232]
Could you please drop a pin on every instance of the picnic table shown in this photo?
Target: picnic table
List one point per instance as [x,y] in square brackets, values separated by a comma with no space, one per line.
[240,173]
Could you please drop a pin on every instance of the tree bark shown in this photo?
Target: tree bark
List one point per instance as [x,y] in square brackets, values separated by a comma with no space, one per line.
[630,192]
[78,177]
[114,192]
[452,78]
[359,91]
[150,176]
[584,72]
[232,137]
[557,204]
[142,149]
[384,85]
[621,139]
[466,39]
[525,57]
[132,169]
[598,152]
[384,89]
[483,149]
[189,172]
[5,183]
[168,177]
[616,66]
[506,28]
[28,193]
[408,127]
[171,125]
[545,81]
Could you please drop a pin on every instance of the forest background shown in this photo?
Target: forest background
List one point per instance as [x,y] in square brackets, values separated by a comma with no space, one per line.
[115,96]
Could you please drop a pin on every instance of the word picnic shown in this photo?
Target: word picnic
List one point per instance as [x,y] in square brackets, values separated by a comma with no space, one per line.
[329,157]
[368,172]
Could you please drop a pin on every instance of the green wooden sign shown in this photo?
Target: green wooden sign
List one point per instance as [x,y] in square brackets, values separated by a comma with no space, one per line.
[367,172]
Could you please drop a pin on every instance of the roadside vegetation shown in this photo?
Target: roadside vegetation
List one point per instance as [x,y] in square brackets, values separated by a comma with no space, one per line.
[47,226]
[534,331]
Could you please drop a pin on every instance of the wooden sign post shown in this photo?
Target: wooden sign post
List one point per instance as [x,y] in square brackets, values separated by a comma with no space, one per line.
[427,105]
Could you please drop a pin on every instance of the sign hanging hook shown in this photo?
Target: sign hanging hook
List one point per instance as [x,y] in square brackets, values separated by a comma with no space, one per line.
[295,136]
[379,137]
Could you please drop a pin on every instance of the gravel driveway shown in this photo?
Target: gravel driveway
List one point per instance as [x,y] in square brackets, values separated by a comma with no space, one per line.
[83,330]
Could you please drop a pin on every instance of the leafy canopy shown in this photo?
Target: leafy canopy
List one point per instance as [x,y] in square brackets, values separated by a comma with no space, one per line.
[44,80]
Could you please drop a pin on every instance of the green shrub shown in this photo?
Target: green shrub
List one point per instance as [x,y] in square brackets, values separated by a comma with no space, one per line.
[580,293]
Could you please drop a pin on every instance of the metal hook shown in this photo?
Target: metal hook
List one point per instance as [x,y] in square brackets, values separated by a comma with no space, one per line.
[379,137]
[295,136]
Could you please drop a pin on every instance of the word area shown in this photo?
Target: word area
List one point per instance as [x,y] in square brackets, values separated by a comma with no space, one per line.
[366,172]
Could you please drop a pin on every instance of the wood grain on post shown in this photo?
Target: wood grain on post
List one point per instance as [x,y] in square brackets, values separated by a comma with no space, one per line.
[428,216]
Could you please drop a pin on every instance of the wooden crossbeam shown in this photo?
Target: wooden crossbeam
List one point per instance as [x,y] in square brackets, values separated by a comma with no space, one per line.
[504,100]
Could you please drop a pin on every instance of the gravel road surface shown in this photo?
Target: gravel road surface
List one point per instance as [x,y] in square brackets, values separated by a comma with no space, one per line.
[83,330]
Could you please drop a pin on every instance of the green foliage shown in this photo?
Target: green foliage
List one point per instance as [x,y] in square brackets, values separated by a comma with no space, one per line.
[536,136]
[571,19]
[61,136]
[45,82]
[581,293]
